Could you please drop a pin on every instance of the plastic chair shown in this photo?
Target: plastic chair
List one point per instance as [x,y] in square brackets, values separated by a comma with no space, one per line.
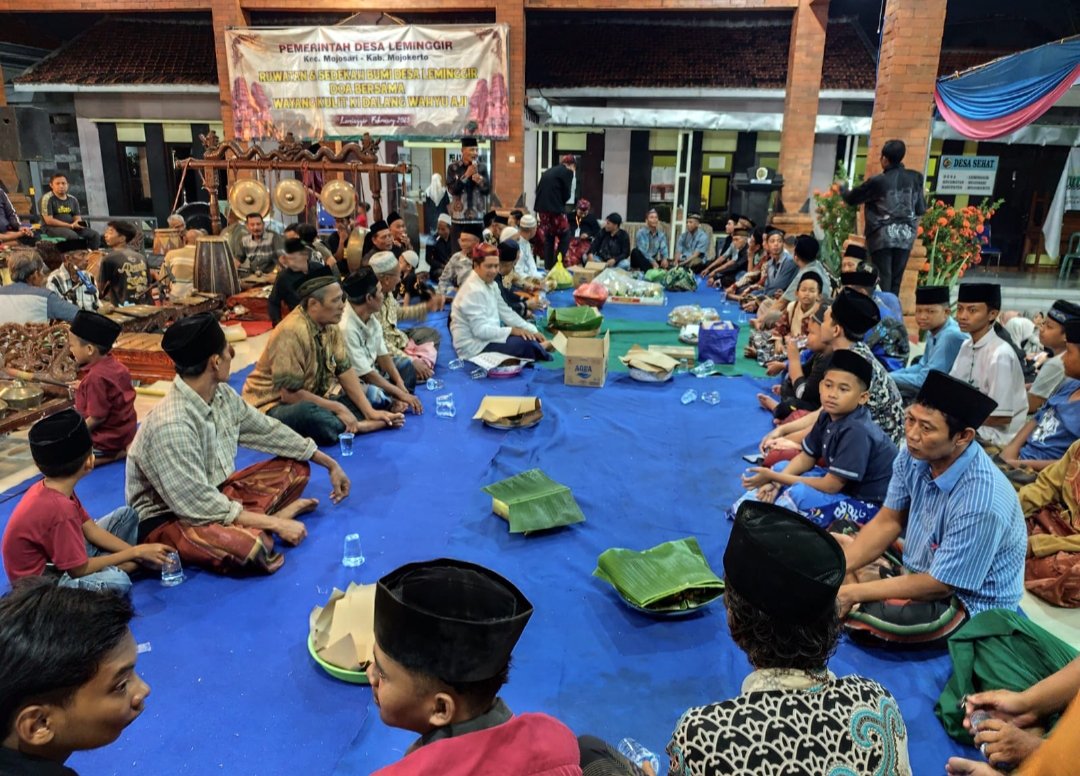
[989,249]
[1072,253]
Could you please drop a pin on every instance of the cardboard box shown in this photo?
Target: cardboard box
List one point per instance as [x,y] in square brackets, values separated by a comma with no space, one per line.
[687,353]
[586,360]
[509,411]
[588,273]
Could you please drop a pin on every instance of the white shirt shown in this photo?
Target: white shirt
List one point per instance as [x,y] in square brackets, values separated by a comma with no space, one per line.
[479,317]
[526,263]
[991,366]
[364,341]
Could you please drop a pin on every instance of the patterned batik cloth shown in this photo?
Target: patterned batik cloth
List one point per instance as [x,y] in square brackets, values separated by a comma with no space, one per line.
[794,722]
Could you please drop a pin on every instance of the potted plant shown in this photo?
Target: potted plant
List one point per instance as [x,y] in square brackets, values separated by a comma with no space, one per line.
[953,238]
[836,219]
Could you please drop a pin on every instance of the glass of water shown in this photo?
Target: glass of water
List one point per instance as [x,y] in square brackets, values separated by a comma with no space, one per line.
[346,440]
[172,573]
[444,406]
[353,555]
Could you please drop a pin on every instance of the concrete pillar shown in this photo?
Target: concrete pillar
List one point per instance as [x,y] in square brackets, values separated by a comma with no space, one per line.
[508,156]
[806,54]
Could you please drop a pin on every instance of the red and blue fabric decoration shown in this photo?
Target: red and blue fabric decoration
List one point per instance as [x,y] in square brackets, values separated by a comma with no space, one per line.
[1009,93]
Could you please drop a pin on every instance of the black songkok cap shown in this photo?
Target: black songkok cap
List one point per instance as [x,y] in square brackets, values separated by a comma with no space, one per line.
[60,439]
[1063,311]
[954,397]
[855,251]
[851,362]
[394,216]
[812,276]
[95,328]
[468,142]
[377,227]
[508,250]
[856,312]
[990,293]
[932,295]
[864,276]
[489,217]
[474,229]
[295,245]
[192,340]
[449,619]
[806,247]
[360,284]
[311,285]
[782,563]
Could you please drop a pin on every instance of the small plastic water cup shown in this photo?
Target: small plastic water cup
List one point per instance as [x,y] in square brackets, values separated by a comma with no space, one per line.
[353,554]
[711,397]
[172,573]
[456,364]
[435,384]
[444,406]
[478,374]
[689,397]
[346,441]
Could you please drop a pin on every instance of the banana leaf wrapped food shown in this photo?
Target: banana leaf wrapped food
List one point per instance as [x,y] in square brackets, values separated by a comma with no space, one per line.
[671,578]
[575,321]
[532,501]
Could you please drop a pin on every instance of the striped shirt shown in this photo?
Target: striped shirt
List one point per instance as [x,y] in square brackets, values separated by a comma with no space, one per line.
[964,528]
[186,448]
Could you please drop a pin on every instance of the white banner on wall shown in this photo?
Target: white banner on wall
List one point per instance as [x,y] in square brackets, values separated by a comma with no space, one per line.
[967,175]
[1067,197]
[400,80]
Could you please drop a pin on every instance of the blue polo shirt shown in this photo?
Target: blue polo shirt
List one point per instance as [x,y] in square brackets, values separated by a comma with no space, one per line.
[1057,425]
[964,528]
[855,449]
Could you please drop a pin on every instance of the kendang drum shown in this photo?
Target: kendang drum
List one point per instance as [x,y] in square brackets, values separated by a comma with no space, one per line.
[167,239]
[215,270]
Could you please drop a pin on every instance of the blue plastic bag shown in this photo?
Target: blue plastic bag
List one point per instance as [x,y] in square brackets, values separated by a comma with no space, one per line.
[717,341]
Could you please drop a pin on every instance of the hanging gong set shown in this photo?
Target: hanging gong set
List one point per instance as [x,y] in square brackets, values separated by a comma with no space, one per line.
[338,198]
[249,196]
[290,197]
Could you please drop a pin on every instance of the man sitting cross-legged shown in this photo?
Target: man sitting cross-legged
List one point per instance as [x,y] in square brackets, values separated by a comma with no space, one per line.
[304,377]
[181,475]
[367,349]
[965,538]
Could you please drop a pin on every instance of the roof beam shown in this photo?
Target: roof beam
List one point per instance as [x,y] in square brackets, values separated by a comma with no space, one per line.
[405,6]
[661,5]
[104,6]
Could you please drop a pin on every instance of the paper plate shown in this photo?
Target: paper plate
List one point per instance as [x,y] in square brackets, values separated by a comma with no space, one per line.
[502,372]
[352,677]
[648,377]
[668,613]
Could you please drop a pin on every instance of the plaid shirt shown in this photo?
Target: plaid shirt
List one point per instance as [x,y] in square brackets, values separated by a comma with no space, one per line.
[186,448]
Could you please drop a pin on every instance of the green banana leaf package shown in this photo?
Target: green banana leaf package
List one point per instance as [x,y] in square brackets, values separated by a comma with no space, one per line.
[672,577]
[532,501]
[575,321]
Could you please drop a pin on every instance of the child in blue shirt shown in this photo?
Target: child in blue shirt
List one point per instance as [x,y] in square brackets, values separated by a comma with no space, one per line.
[846,461]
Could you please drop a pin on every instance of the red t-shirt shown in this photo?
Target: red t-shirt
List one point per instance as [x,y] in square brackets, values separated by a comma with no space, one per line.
[46,527]
[105,393]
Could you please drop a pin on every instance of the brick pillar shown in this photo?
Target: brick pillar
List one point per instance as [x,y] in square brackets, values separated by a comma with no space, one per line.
[508,156]
[225,13]
[904,100]
[907,70]
[806,54]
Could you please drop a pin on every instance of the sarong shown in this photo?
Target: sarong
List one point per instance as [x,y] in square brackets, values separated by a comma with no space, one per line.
[236,550]
[901,622]
[1052,567]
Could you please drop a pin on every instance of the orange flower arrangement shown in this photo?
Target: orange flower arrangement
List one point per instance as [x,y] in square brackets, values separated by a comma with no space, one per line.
[837,220]
[953,238]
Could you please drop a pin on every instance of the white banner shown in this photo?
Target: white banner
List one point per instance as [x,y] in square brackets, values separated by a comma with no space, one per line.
[397,80]
[1067,197]
[967,175]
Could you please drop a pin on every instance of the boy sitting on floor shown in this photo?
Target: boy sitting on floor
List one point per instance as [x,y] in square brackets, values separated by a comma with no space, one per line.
[846,461]
[105,396]
[67,675]
[49,527]
[444,631]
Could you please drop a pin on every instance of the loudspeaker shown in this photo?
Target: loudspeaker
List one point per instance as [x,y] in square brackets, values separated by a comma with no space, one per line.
[25,134]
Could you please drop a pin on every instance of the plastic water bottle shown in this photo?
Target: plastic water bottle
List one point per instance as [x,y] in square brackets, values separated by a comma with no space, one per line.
[638,754]
[689,397]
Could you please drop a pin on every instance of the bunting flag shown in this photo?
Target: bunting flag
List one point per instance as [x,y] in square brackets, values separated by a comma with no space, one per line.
[1009,93]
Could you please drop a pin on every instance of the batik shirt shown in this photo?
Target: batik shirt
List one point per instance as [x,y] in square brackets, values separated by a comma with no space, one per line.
[794,722]
[300,356]
[885,405]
